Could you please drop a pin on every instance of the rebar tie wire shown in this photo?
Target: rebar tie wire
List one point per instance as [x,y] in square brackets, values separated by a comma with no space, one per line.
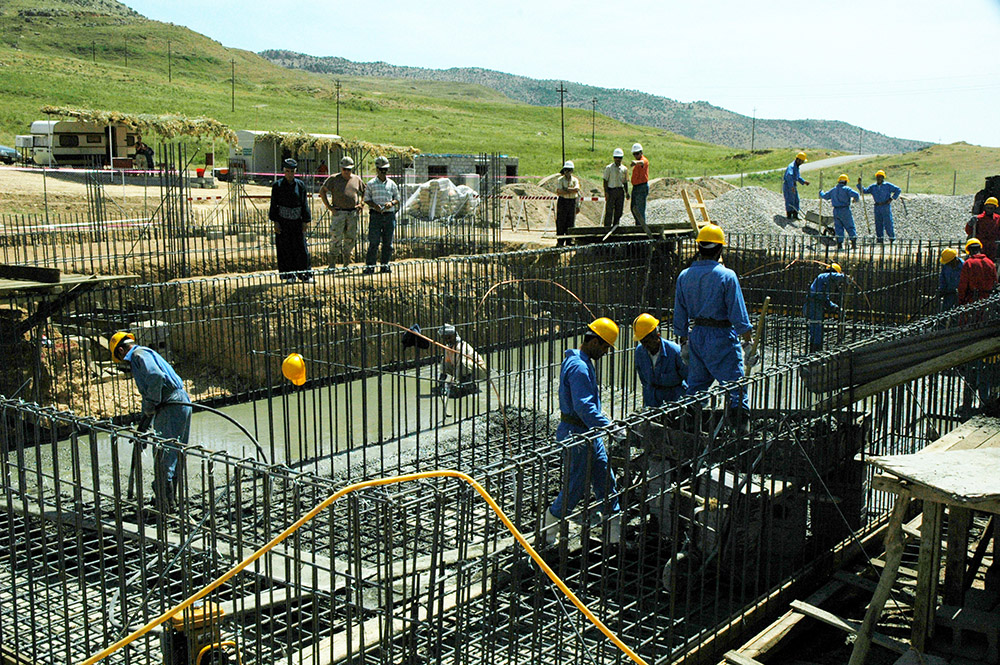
[326,503]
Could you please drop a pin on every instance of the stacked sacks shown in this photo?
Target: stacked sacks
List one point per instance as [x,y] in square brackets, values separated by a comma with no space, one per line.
[441,198]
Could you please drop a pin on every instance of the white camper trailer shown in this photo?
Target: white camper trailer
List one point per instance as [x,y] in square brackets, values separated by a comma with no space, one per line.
[71,143]
[259,154]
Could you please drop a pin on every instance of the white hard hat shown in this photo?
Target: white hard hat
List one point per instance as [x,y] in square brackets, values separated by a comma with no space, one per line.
[636,147]
[568,165]
[618,153]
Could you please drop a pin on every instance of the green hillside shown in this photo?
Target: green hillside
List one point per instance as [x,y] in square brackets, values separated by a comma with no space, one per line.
[73,53]
[939,169]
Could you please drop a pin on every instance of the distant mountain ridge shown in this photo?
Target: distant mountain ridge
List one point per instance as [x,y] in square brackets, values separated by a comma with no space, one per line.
[697,120]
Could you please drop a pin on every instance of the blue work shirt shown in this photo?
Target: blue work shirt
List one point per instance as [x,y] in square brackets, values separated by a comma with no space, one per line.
[792,176]
[823,285]
[578,394]
[709,290]
[154,377]
[841,195]
[662,381]
[948,280]
[883,193]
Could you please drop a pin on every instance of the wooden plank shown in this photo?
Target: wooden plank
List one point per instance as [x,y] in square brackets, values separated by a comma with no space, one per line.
[924,493]
[979,428]
[959,520]
[736,658]
[29,273]
[902,570]
[929,570]
[850,627]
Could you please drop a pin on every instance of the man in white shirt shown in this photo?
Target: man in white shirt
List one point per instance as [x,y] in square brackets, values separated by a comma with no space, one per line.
[615,188]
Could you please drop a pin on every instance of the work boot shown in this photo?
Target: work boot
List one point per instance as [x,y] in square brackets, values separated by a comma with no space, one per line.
[369,270]
[854,243]
[550,528]
[385,268]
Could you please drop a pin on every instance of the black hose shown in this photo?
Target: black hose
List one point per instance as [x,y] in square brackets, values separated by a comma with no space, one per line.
[260,450]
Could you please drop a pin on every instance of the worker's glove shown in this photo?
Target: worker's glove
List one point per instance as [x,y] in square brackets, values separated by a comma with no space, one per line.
[750,355]
[835,308]
[685,352]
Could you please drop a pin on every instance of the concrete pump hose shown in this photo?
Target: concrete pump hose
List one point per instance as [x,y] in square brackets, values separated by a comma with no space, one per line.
[441,473]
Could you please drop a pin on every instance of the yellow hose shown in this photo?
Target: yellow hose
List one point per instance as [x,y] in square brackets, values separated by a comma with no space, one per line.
[441,473]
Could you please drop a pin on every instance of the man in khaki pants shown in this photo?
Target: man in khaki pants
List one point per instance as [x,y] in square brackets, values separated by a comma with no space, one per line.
[343,195]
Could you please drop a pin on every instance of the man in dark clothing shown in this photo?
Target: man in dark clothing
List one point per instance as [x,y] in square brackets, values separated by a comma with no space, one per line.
[291,217]
[951,273]
[986,227]
[979,274]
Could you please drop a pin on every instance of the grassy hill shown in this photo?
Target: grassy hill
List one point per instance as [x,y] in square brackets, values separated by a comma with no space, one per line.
[935,170]
[697,120]
[74,53]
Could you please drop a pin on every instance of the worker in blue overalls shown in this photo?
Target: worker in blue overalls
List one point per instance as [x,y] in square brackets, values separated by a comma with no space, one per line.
[657,363]
[710,316]
[580,411]
[951,271]
[841,197]
[818,303]
[163,398]
[789,186]
[883,194]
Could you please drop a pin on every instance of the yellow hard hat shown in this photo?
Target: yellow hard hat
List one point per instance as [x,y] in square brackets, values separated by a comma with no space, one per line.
[835,267]
[842,178]
[606,329]
[643,325]
[948,255]
[712,233]
[801,156]
[972,242]
[880,172]
[294,368]
[116,339]
[992,201]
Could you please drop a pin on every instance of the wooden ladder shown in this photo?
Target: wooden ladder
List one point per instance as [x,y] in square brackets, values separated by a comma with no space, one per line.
[699,204]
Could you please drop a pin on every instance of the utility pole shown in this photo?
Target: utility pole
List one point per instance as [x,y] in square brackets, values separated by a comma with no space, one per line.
[232,61]
[170,70]
[753,130]
[593,122]
[861,133]
[93,51]
[126,53]
[338,107]
[562,119]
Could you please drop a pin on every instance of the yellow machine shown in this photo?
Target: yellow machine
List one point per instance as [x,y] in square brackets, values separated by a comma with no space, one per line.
[194,637]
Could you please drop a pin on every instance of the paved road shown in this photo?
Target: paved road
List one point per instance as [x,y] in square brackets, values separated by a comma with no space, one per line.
[809,166]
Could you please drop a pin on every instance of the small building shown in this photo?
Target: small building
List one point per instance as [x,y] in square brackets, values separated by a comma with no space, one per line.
[259,153]
[75,143]
[459,167]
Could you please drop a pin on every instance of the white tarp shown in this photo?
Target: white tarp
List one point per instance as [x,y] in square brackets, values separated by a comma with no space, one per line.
[441,198]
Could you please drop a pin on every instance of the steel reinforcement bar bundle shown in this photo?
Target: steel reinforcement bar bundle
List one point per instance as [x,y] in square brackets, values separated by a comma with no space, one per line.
[719,520]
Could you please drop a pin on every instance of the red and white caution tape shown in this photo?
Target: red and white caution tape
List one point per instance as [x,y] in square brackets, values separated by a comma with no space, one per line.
[205,198]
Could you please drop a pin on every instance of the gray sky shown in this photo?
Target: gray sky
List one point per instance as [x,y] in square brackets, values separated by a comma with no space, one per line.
[917,69]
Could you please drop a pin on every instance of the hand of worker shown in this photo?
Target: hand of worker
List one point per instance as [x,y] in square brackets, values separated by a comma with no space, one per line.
[277,228]
[806,183]
[627,197]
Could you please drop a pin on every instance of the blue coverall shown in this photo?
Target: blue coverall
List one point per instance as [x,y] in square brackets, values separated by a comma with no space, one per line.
[159,384]
[708,290]
[580,400]
[662,381]
[841,197]
[818,302]
[790,190]
[882,196]
[948,283]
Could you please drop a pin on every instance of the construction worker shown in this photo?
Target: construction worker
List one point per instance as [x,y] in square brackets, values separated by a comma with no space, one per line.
[568,190]
[986,227]
[580,410]
[818,302]
[382,197]
[789,186]
[343,195]
[640,184]
[461,366]
[883,194]
[978,275]
[951,269]
[841,197]
[710,316]
[290,215]
[657,363]
[615,188]
[163,398]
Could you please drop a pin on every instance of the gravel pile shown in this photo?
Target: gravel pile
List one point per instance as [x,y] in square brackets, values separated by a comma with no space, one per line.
[758,210]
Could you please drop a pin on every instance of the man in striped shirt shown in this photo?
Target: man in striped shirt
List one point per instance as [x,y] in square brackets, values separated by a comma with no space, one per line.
[382,197]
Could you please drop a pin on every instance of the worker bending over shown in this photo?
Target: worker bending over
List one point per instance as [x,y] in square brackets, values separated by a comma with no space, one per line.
[818,303]
[657,363]
[579,411]
[841,197]
[951,270]
[978,276]
[710,316]
[461,366]
[986,228]
[789,186]
[883,194]
[163,398]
